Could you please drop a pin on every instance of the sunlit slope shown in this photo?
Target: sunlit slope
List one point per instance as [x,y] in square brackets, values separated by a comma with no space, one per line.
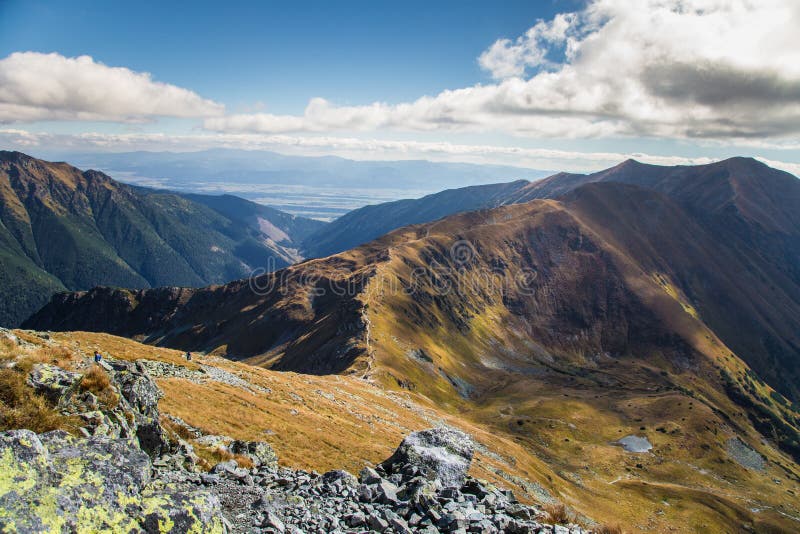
[558,326]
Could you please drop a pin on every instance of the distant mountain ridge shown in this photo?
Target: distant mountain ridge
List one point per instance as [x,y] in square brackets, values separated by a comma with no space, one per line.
[323,187]
[65,229]
[370,222]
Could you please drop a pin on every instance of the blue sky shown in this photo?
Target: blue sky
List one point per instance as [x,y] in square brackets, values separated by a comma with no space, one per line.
[557,83]
[281,53]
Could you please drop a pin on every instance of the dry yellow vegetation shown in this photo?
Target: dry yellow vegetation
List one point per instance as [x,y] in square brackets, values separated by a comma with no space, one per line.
[550,443]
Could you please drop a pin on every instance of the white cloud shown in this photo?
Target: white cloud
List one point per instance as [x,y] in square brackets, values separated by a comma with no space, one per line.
[35,86]
[712,69]
[350,147]
[506,58]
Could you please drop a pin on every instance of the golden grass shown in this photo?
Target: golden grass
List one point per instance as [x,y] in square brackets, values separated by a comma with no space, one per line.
[97,381]
[21,407]
[557,513]
[609,529]
[176,429]
[211,456]
[343,422]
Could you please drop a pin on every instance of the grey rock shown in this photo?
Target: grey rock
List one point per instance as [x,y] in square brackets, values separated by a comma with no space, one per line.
[273,521]
[52,381]
[355,520]
[443,454]
[58,471]
[378,523]
[210,479]
[518,511]
[387,492]
[369,476]
[343,478]
[397,523]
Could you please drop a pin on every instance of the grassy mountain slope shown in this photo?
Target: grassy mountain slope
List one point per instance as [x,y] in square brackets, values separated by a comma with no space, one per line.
[65,228]
[557,325]
[751,299]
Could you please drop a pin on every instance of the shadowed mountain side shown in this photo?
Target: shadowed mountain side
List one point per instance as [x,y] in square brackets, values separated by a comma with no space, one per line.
[63,228]
[291,317]
[749,214]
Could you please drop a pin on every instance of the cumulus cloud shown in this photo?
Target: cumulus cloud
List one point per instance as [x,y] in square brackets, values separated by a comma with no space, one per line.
[507,58]
[716,69]
[355,148]
[35,86]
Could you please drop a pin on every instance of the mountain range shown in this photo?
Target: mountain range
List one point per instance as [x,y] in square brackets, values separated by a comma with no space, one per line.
[66,229]
[653,302]
[641,302]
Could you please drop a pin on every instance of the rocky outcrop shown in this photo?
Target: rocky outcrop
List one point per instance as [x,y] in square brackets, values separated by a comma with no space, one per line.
[442,455]
[56,482]
[260,453]
[132,414]
[423,487]
[127,473]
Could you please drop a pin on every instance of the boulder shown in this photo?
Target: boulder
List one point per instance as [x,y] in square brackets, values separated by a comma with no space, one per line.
[442,454]
[339,479]
[52,381]
[56,482]
[175,511]
[138,388]
[259,452]
[369,476]
[141,396]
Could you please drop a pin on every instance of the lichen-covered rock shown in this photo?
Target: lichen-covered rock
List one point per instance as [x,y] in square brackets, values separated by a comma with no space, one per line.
[141,394]
[52,381]
[259,452]
[137,387]
[442,454]
[56,482]
[174,511]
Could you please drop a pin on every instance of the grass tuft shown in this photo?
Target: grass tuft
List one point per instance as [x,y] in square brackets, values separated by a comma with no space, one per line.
[211,456]
[558,514]
[21,407]
[96,380]
[176,429]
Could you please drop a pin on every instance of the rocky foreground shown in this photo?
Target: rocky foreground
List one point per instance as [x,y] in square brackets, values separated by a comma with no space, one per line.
[126,472]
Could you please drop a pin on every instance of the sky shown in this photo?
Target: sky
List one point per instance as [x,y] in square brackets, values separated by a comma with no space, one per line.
[572,85]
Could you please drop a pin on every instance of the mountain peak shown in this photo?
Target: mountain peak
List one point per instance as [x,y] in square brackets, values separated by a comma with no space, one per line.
[743,163]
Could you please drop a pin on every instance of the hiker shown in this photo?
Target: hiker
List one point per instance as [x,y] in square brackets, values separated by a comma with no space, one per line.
[189,356]
[97,357]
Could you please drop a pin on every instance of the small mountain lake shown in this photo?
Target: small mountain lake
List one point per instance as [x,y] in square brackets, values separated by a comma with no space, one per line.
[635,443]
